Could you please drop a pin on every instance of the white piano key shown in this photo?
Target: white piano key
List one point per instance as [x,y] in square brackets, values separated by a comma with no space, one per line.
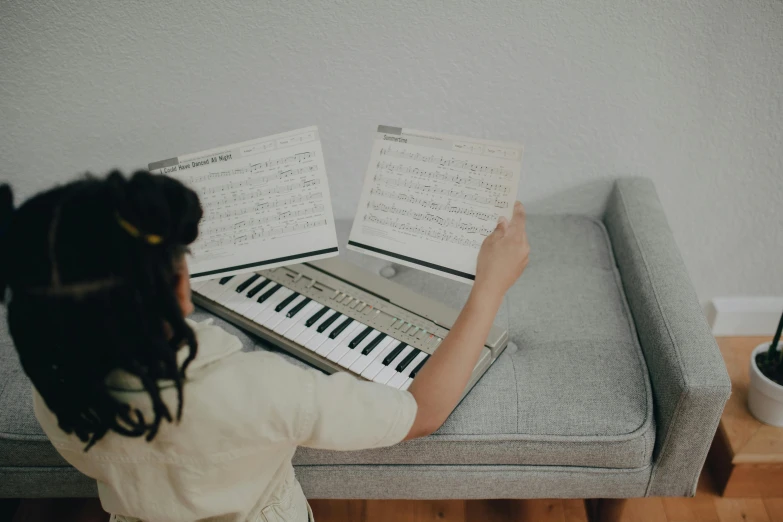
[406,384]
[235,300]
[398,380]
[213,289]
[274,300]
[312,330]
[279,316]
[389,371]
[362,361]
[320,337]
[330,345]
[288,322]
[377,365]
[300,320]
[255,307]
[195,285]
[342,348]
[352,354]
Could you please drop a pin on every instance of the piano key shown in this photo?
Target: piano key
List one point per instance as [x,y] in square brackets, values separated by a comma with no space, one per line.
[405,369]
[212,289]
[354,352]
[220,293]
[365,359]
[406,384]
[252,279]
[315,317]
[277,314]
[269,293]
[337,331]
[417,367]
[297,328]
[342,345]
[253,291]
[271,303]
[298,308]
[405,362]
[326,324]
[369,347]
[377,364]
[394,353]
[287,301]
[287,322]
[256,307]
[224,280]
[359,338]
[195,285]
[326,347]
[389,371]
[311,332]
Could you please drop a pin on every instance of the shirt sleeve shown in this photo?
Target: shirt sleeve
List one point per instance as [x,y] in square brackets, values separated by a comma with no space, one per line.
[341,412]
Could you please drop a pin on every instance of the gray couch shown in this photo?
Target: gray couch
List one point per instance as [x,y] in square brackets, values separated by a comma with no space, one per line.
[612,385]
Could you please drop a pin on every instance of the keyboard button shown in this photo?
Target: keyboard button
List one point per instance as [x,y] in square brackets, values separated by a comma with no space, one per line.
[252,279]
[376,365]
[326,324]
[269,293]
[271,303]
[359,338]
[341,347]
[337,331]
[389,371]
[224,280]
[227,294]
[315,317]
[310,333]
[287,301]
[298,308]
[253,291]
[378,352]
[417,367]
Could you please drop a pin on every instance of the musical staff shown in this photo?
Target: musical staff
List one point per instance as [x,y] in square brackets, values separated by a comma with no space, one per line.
[431,198]
[279,231]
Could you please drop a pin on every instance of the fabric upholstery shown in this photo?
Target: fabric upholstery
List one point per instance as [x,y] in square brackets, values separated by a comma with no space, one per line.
[689,378]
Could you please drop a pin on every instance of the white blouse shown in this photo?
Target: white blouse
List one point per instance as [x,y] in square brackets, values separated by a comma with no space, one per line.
[229,458]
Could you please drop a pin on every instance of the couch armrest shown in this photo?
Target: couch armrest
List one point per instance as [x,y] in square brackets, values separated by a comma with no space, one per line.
[689,379]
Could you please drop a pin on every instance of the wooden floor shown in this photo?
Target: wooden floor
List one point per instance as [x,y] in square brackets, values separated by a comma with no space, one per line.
[707,506]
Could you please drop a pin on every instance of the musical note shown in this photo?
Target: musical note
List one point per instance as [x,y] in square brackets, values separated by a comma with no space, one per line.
[429,197]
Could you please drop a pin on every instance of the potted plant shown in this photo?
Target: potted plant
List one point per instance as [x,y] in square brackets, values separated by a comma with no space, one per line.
[765,393]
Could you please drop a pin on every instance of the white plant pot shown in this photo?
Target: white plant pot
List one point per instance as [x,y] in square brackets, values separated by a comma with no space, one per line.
[765,397]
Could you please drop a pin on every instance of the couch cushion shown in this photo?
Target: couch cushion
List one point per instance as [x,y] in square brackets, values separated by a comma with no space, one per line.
[571,390]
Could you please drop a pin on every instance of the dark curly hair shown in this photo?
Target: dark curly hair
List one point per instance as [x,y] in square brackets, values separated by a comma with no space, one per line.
[91,267]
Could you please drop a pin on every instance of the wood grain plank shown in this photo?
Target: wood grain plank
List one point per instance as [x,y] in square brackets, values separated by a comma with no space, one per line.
[774,507]
[755,481]
[542,510]
[700,508]
[415,511]
[740,509]
[765,446]
[575,510]
[644,510]
[489,510]
[328,510]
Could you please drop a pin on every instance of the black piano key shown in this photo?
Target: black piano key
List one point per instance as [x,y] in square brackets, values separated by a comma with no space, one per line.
[375,342]
[298,308]
[287,301]
[337,331]
[359,338]
[316,316]
[394,353]
[418,367]
[408,358]
[326,324]
[241,288]
[266,295]
[253,291]
[224,280]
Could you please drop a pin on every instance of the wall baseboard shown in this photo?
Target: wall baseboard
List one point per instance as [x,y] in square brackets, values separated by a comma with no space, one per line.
[729,316]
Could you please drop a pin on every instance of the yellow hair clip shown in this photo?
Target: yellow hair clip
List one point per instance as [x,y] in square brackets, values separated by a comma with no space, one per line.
[151,239]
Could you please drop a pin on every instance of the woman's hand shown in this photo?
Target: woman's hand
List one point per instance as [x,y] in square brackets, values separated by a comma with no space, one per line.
[503,255]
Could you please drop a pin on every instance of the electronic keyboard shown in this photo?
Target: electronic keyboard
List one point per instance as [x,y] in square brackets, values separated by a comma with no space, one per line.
[338,317]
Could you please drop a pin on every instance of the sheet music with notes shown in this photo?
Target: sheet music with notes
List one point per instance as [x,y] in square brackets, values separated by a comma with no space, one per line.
[266,203]
[429,200]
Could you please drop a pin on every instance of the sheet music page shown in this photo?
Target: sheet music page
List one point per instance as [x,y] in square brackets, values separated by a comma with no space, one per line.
[266,203]
[429,200]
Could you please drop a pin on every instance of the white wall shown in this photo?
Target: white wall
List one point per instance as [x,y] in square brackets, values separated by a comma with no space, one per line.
[688,93]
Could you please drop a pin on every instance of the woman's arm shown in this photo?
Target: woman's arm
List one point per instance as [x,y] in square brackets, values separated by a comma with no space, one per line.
[442,380]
